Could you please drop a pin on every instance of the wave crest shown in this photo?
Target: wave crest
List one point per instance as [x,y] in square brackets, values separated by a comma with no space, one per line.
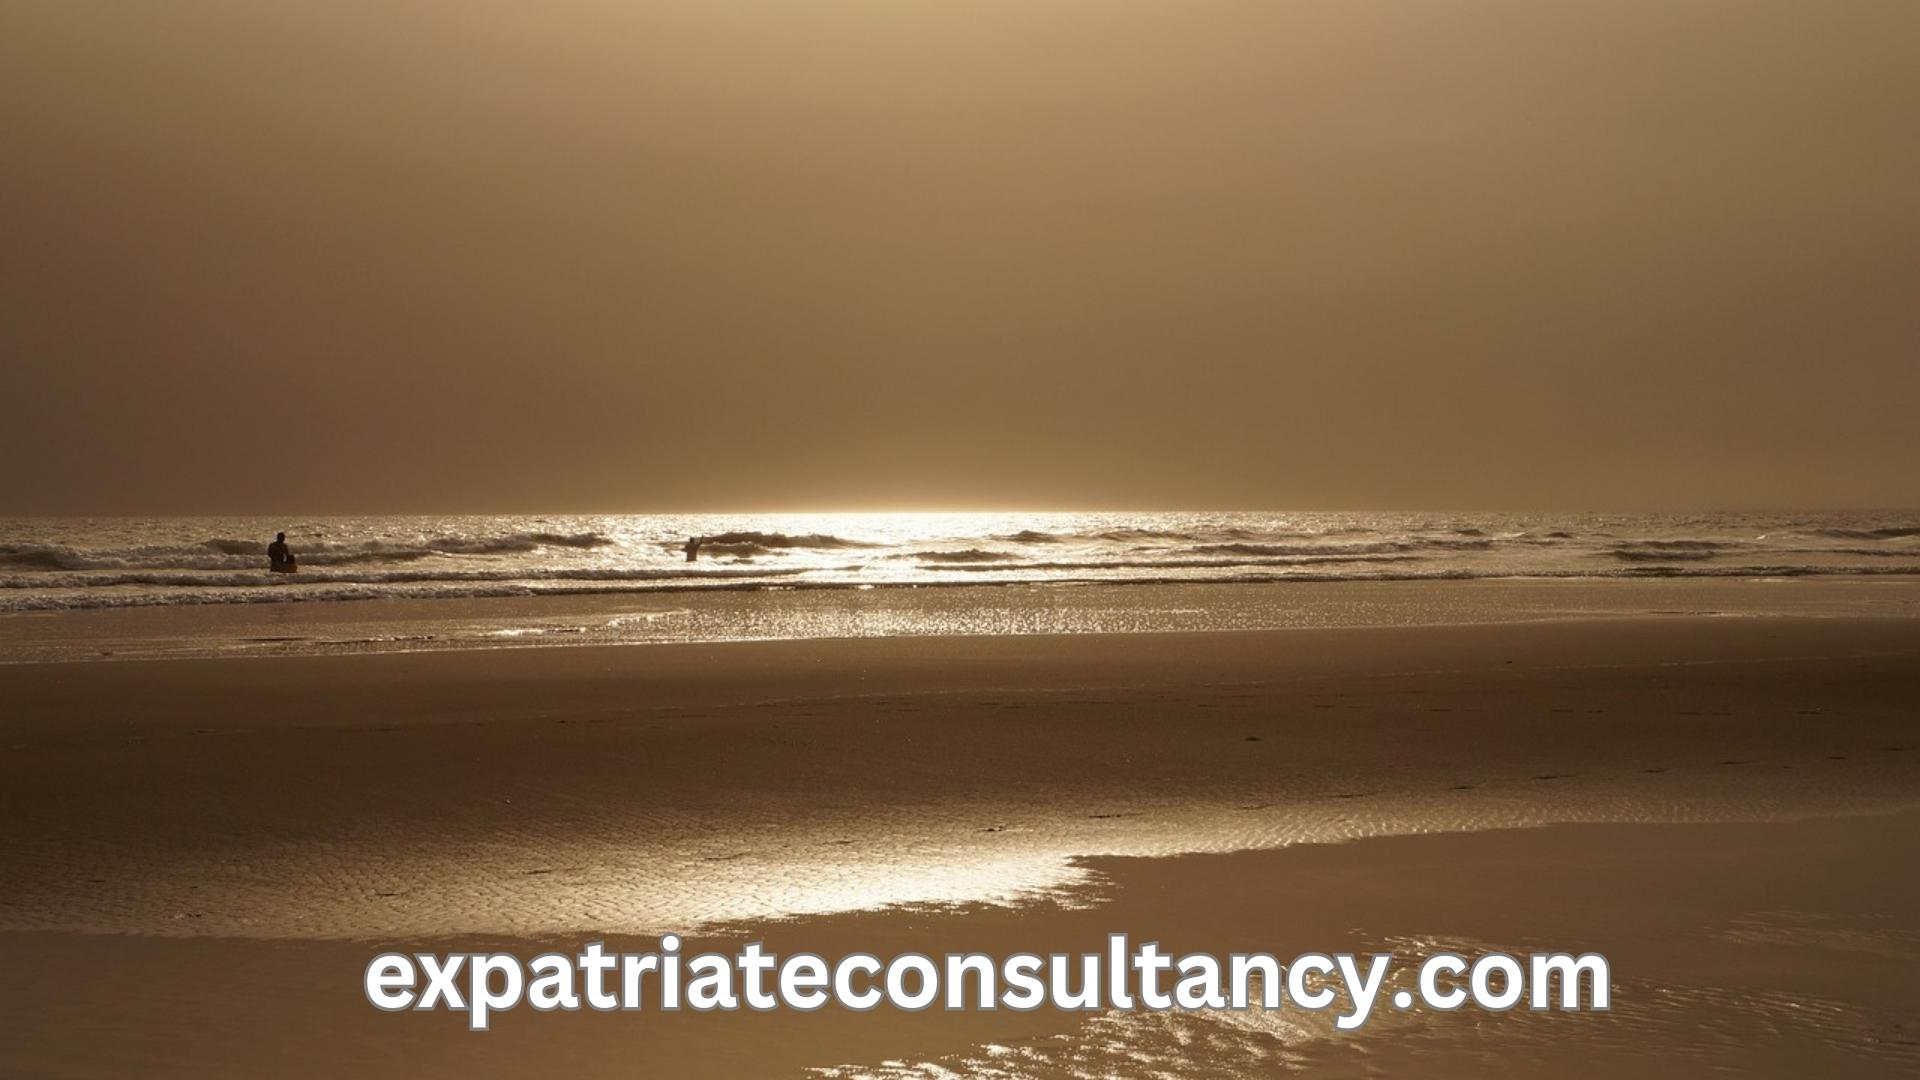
[1665,550]
[774,541]
[970,555]
[530,541]
[1890,532]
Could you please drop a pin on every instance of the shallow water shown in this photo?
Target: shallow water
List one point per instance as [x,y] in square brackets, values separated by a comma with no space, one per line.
[1655,1027]
[584,849]
[545,621]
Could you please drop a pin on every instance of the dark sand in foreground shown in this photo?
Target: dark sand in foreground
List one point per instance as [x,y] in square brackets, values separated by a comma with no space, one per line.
[200,856]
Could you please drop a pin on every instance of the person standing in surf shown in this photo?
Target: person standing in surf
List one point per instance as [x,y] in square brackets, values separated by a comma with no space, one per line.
[279,556]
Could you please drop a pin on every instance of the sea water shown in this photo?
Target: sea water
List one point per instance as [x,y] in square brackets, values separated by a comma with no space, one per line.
[67,563]
[147,588]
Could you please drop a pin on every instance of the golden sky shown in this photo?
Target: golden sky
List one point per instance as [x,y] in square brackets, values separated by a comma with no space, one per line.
[709,254]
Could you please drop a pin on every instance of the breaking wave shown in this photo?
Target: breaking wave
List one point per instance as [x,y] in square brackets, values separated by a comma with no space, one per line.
[221,553]
[970,555]
[1382,547]
[256,579]
[462,545]
[775,541]
[1665,551]
[1190,563]
[1257,550]
[41,557]
[1894,532]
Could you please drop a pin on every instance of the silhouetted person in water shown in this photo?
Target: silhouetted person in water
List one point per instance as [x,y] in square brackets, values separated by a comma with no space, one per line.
[693,547]
[278,556]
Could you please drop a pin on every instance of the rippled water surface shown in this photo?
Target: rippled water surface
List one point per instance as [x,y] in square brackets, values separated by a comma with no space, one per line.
[78,563]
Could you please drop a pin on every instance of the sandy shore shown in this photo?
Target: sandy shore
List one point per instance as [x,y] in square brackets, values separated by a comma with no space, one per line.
[200,856]
[682,616]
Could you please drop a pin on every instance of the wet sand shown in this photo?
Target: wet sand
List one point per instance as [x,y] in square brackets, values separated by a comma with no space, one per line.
[681,616]
[200,856]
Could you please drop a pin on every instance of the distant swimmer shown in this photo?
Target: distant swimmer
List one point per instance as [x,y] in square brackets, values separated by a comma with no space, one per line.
[693,547]
[279,559]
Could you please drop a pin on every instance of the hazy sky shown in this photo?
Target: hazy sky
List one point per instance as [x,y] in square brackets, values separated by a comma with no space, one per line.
[706,254]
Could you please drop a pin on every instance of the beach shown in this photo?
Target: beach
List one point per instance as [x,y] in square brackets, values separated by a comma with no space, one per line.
[917,541]
[202,854]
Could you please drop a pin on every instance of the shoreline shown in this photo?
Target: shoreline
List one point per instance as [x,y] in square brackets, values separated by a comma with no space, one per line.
[381,625]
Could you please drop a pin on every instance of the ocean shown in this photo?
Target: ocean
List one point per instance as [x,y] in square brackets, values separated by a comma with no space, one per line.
[72,563]
[75,589]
